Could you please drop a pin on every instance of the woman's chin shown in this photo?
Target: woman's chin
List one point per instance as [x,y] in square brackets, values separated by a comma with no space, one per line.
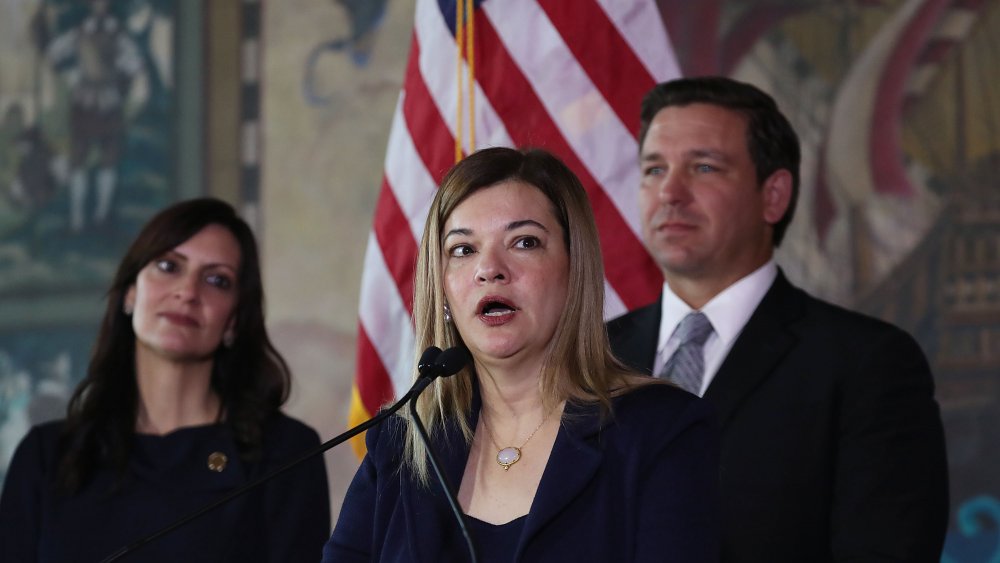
[181,352]
[499,353]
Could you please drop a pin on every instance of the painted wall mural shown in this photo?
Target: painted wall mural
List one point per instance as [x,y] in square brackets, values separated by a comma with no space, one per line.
[330,79]
[86,96]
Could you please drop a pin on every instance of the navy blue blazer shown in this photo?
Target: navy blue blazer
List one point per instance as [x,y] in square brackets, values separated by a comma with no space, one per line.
[167,477]
[832,443]
[640,485]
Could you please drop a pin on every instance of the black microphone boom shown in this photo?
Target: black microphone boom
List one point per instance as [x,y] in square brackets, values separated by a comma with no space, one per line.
[450,362]
[433,364]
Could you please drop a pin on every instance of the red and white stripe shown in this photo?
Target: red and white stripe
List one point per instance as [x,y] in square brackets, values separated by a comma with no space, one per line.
[566,76]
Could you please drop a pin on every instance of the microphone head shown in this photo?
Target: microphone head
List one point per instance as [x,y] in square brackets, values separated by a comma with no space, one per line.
[427,360]
[452,360]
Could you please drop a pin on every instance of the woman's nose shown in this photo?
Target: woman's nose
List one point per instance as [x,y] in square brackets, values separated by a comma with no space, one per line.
[491,267]
[186,288]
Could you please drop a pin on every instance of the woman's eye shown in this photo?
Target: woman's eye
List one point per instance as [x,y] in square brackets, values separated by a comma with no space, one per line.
[460,250]
[166,265]
[220,281]
[653,171]
[528,242]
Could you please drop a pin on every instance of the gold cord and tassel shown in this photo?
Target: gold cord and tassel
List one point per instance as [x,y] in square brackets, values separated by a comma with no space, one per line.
[465,26]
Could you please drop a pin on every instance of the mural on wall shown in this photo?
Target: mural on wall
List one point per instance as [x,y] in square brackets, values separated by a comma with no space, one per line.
[897,103]
[364,18]
[86,113]
[330,80]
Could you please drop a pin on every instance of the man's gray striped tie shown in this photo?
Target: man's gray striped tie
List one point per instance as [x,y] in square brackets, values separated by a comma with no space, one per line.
[687,366]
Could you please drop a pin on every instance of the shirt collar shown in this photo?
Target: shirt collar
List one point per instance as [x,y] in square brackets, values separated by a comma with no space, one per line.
[728,311]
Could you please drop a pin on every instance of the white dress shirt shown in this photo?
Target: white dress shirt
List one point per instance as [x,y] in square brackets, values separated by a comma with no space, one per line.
[728,312]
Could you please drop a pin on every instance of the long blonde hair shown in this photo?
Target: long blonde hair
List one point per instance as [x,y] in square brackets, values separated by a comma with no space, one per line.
[579,365]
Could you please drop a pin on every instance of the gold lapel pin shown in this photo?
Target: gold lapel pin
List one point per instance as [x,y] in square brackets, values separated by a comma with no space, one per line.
[217,461]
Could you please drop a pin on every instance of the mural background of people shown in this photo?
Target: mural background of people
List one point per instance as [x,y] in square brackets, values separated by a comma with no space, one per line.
[86,150]
[897,103]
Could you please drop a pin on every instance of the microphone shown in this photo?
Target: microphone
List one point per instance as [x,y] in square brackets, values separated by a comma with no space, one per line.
[449,362]
[452,360]
[433,363]
[444,364]
[427,359]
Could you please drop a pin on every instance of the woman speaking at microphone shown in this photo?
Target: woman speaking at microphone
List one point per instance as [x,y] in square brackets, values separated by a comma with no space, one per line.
[180,405]
[557,451]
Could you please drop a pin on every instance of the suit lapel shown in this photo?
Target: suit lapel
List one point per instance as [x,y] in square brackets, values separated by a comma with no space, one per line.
[634,337]
[572,464]
[432,528]
[760,347]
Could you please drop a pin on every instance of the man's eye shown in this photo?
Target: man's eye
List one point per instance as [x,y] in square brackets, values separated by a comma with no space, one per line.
[652,171]
[704,168]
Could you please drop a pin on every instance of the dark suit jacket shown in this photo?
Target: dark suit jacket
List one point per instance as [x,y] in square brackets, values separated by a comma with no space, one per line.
[832,445]
[626,489]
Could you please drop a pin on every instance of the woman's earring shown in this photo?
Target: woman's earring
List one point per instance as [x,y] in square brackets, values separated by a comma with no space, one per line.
[228,339]
[447,313]
[127,308]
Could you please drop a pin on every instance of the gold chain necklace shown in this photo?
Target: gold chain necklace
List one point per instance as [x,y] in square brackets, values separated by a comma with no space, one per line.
[511,454]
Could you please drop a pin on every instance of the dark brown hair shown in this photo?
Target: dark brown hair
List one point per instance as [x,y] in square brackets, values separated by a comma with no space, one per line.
[250,377]
[771,141]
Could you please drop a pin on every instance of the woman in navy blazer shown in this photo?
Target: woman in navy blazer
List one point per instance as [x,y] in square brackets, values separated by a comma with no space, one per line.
[180,405]
[560,453]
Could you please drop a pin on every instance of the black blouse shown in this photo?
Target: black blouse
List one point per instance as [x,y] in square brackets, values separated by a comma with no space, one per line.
[496,543]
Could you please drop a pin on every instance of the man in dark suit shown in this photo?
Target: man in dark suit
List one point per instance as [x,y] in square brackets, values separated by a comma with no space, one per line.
[832,446]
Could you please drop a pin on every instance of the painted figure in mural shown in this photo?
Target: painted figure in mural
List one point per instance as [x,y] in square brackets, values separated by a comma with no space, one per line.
[15,397]
[559,452]
[30,170]
[12,126]
[29,395]
[99,62]
[180,404]
[36,180]
[364,18]
[832,443]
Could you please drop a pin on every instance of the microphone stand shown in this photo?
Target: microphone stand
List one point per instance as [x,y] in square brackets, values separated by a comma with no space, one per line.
[463,524]
[414,391]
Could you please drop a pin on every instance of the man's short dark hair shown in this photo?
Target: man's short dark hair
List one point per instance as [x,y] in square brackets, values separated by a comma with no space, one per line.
[771,141]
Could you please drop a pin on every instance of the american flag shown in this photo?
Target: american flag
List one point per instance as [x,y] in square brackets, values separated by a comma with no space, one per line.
[563,75]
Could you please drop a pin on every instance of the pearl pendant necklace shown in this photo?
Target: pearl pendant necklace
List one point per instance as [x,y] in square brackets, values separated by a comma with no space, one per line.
[511,454]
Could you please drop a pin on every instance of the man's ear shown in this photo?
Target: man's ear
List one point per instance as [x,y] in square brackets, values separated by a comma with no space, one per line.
[777,194]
